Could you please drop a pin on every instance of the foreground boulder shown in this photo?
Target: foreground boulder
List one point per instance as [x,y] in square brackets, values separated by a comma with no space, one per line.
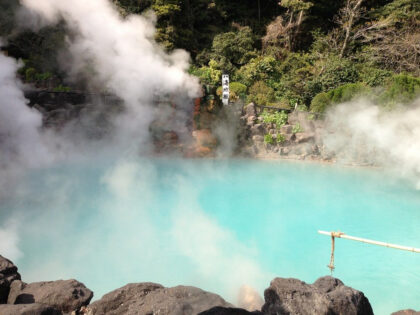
[218,310]
[8,273]
[28,309]
[406,312]
[152,298]
[63,295]
[327,295]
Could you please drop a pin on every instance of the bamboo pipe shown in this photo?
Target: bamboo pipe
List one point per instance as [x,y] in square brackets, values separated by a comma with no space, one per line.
[363,240]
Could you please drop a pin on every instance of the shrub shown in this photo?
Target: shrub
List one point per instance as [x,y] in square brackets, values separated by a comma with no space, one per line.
[268,138]
[263,68]
[210,74]
[347,92]
[297,128]
[338,71]
[343,93]
[278,118]
[320,102]
[401,89]
[62,88]
[374,76]
[281,138]
[261,94]
[236,90]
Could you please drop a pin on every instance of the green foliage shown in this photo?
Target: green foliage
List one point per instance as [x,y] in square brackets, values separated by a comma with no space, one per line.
[343,93]
[374,76]
[401,89]
[320,102]
[277,118]
[262,68]
[281,138]
[261,94]
[337,71]
[268,138]
[30,74]
[210,74]
[231,50]
[297,128]
[236,90]
[62,88]
[347,92]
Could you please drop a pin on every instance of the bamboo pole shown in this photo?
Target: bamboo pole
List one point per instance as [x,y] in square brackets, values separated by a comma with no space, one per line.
[363,240]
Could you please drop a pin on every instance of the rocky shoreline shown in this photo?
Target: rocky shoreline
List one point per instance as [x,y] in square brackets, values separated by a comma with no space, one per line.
[327,295]
[299,137]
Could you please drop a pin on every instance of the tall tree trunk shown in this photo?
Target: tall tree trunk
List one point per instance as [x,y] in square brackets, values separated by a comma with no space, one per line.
[351,11]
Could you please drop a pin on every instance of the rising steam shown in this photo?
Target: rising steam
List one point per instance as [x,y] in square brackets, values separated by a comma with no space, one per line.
[360,131]
[120,56]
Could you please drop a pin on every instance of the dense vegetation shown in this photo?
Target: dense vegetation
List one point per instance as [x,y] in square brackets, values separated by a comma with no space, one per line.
[287,53]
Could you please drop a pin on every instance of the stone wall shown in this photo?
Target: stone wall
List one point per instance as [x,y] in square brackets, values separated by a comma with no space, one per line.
[301,136]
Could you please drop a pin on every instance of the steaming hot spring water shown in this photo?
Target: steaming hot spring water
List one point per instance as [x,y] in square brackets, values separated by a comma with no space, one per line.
[215,224]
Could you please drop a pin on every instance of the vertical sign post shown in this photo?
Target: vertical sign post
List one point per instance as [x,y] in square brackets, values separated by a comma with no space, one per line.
[225,87]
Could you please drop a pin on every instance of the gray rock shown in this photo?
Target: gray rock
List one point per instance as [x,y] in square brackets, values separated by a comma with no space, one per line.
[218,310]
[327,296]
[303,119]
[257,129]
[64,295]
[406,312]
[258,138]
[28,309]
[8,273]
[151,298]
[304,137]
[286,129]
[251,120]
[250,110]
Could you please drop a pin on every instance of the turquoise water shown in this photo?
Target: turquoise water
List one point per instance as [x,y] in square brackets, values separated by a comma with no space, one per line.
[217,225]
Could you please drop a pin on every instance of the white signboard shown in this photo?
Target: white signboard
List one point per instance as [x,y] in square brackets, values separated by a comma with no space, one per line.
[225,87]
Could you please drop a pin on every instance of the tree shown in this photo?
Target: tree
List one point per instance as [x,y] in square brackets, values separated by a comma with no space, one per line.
[347,17]
[231,50]
[285,29]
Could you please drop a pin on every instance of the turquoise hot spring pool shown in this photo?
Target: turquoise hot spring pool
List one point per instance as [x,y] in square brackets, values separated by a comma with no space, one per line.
[216,224]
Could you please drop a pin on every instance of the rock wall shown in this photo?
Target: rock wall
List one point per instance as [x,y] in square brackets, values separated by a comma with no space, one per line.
[304,142]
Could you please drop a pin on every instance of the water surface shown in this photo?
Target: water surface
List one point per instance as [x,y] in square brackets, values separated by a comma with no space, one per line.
[217,225]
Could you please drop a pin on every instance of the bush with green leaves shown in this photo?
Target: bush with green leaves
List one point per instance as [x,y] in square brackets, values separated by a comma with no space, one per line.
[402,89]
[268,138]
[211,74]
[337,71]
[297,128]
[236,90]
[343,93]
[281,138]
[233,49]
[262,68]
[277,118]
[375,77]
[261,94]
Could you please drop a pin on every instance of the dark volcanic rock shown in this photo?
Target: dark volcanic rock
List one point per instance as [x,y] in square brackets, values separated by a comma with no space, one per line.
[28,309]
[218,310]
[64,295]
[151,298]
[326,296]
[8,273]
[406,312]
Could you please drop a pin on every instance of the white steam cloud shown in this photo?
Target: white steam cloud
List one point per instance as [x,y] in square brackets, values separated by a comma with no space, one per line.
[20,137]
[9,239]
[120,56]
[360,131]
